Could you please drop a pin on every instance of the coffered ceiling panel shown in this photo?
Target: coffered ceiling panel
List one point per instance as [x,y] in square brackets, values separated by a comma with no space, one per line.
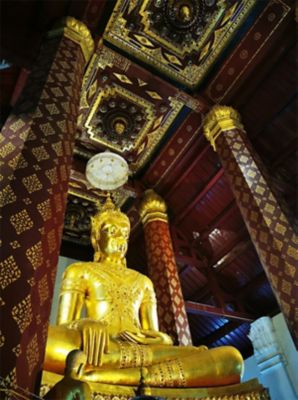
[126,109]
[180,38]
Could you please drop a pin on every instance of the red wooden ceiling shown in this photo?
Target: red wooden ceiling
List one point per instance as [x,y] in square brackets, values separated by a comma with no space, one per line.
[217,262]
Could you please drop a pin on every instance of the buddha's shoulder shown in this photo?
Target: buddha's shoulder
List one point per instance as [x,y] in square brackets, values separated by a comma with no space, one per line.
[141,277]
[78,268]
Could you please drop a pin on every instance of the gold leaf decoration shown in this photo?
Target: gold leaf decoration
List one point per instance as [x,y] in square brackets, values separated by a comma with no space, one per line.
[123,78]
[173,59]
[144,41]
[154,95]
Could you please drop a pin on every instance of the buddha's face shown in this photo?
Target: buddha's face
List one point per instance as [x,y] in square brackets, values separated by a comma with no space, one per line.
[113,239]
[184,13]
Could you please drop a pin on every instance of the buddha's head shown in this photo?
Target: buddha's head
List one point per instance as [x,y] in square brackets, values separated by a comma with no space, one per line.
[110,231]
[75,362]
[119,127]
[184,13]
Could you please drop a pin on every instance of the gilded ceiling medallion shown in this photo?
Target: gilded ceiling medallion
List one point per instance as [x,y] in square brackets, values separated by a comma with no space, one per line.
[118,120]
[124,109]
[181,38]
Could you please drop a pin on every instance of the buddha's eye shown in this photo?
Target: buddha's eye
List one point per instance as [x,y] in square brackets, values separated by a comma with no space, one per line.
[112,229]
[125,233]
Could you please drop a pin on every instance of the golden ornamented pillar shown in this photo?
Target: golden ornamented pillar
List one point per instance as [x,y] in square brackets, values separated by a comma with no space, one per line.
[163,270]
[270,231]
[37,143]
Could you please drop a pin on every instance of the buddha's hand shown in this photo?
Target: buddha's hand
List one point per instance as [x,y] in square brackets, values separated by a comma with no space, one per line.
[95,339]
[146,337]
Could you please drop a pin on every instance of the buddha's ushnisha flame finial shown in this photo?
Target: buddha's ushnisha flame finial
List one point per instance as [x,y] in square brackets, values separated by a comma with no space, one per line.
[109,205]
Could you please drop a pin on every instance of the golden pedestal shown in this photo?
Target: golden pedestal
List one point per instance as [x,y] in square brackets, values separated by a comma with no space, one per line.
[250,390]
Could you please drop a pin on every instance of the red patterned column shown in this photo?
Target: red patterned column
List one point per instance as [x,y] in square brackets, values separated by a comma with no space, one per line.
[36,151]
[270,231]
[162,269]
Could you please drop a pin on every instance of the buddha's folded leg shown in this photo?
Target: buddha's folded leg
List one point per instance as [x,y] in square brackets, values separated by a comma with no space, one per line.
[215,367]
[112,376]
[132,359]
[161,365]
[61,340]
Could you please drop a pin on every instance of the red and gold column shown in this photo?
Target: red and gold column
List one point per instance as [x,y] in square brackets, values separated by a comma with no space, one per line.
[163,270]
[270,231]
[37,143]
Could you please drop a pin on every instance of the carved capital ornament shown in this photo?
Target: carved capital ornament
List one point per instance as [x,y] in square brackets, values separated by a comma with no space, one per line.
[153,208]
[220,119]
[76,31]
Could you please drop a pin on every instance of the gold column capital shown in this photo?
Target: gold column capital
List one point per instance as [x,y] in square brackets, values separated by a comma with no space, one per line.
[153,208]
[220,119]
[76,31]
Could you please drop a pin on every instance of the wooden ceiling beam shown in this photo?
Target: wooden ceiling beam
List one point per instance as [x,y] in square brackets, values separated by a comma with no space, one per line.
[188,170]
[251,286]
[242,236]
[287,151]
[188,260]
[224,330]
[229,257]
[200,195]
[220,218]
[212,311]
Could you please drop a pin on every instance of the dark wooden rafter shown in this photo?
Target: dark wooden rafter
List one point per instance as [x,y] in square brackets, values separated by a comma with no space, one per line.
[182,245]
[212,311]
[199,196]
[220,218]
[252,286]
[189,261]
[220,332]
[188,170]
[289,149]
[241,236]
[230,256]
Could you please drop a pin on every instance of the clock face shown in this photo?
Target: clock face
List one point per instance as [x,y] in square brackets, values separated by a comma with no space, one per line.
[107,171]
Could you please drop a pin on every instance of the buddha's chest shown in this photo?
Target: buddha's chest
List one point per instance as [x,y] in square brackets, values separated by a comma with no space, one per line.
[117,293]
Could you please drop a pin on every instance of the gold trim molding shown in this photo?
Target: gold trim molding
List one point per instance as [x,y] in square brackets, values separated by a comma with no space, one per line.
[220,119]
[153,208]
[76,31]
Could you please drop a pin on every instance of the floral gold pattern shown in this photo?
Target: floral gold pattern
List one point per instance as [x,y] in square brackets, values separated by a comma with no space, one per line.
[21,221]
[22,313]
[35,255]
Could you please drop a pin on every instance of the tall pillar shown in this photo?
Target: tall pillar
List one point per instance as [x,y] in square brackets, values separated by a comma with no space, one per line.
[36,151]
[163,270]
[270,231]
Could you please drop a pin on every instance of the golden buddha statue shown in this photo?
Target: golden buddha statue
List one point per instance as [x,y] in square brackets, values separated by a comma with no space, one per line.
[120,331]
[71,387]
